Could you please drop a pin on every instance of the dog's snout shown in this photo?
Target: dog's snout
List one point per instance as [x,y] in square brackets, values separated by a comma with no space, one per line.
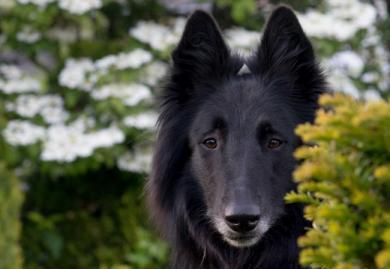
[242,219]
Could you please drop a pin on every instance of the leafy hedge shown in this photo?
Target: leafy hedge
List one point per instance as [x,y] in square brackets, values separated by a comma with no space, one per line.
[10,203]
[345,181]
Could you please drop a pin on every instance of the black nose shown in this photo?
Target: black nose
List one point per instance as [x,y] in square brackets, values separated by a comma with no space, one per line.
[242,219]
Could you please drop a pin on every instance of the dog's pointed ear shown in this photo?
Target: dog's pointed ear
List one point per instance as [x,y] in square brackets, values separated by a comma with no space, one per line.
[201,53]
[284,46]
[286,52]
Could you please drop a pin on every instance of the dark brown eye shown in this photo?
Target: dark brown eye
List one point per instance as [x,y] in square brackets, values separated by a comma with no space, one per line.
[274,143]
[210,143]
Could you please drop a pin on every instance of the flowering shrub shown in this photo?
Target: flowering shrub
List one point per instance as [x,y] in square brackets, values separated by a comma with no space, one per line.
[76,115]
[77,110]
[345,182]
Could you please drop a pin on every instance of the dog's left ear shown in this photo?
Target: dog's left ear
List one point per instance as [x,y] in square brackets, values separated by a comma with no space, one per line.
[202,52]
[284,46]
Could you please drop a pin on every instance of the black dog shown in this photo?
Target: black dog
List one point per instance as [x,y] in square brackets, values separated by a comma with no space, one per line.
[224,154]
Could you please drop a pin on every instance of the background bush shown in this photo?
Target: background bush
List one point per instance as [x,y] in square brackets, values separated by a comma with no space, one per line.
[10,202]
[345,182]
[77,113]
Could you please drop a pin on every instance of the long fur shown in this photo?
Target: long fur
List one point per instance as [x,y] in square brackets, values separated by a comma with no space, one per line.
[175,199]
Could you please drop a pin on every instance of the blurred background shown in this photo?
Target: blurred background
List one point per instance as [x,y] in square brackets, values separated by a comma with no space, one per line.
[77,112]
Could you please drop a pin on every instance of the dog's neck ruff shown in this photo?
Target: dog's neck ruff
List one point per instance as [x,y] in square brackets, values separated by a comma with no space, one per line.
[244,70]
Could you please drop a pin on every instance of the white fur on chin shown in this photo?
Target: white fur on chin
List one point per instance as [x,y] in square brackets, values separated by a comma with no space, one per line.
[260,230]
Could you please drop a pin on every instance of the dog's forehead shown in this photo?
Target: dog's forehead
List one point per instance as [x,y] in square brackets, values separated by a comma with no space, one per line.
[245,92]
[244,100]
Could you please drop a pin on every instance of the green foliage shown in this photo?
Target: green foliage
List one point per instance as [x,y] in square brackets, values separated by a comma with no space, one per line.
[86,211]
[11,199]
[239,9]
[345,181]
[99,224]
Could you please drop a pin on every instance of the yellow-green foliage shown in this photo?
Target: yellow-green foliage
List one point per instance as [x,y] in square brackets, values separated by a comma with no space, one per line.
[344,181]
[10,203]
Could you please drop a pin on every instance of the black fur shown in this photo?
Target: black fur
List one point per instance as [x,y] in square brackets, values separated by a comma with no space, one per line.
[190,186]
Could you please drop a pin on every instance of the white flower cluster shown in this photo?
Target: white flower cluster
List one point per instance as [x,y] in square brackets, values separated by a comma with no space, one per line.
[49,107]
[348,62]
[130,94]
[62,143]
[154,72]
[342,20]
[124,60]
[28,35]
[145,120]
[240,38]
[77,74]
[22,133]
[14,80]
[67,143]
[73,6]
[343,66]
[79,7]
[158,36]
[84,73]
[137,161]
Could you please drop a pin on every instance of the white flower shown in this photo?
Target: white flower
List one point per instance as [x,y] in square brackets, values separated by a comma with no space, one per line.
[361,15]
[66,143]
[346,61]
[28,35]
[130,94]
[84,73]
[52,110]
[11,72]
[371,95]
[79,6]
[138,161]
[159,37]
[50,107]
[342,83]
[22,85]
[23,133]
[370,77]
[240,38]
[133,59]
[26,105]
[342,21]
[145,120]
[106,137]
[106,62]
[154,72]
[16,81]
[75,74]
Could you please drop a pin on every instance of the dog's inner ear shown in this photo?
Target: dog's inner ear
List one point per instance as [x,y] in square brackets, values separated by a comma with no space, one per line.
[202,53]
[284,48]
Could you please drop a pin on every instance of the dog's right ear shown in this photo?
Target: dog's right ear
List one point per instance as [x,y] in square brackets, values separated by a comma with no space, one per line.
[202,53]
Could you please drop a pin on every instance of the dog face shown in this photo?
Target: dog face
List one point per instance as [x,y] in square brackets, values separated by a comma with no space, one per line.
[242,141]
